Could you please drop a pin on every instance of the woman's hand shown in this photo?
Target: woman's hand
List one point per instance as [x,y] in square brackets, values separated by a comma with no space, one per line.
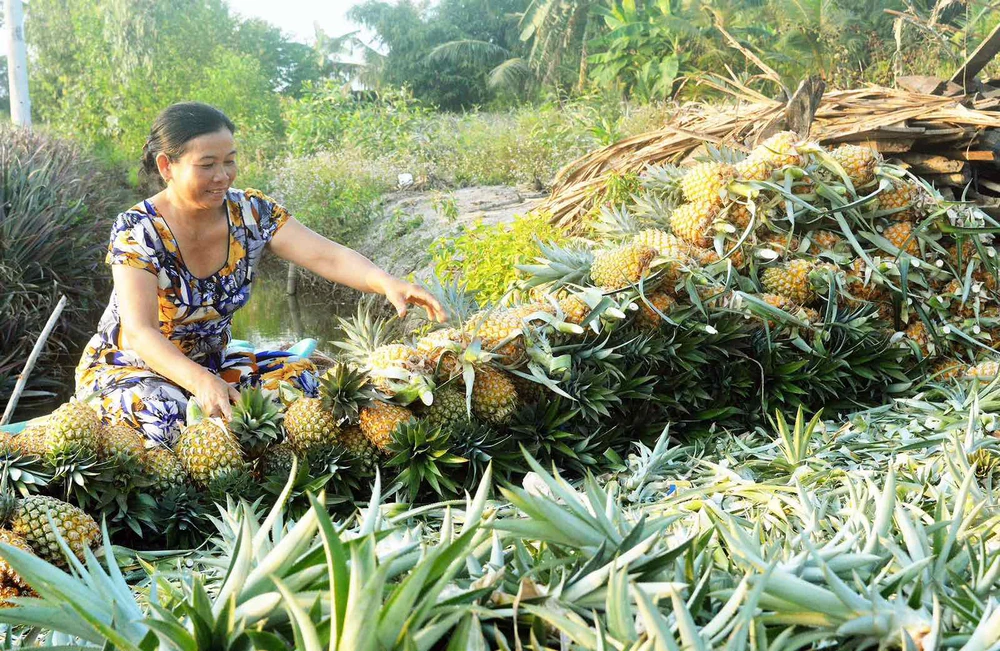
[215,396]
[401,294]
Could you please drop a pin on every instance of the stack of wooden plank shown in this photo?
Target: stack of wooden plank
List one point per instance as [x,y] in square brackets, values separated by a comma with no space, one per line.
[952,141]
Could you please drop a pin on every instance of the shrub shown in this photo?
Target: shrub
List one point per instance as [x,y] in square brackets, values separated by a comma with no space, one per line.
[56,207]
[484,255]
[335,194]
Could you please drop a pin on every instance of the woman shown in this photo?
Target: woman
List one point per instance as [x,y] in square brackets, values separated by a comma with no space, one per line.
[183,262]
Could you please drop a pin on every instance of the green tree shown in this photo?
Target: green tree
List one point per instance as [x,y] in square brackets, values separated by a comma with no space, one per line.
[103,69]
[411,31]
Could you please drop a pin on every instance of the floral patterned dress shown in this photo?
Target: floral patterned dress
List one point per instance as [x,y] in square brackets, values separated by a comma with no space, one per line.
[195,314]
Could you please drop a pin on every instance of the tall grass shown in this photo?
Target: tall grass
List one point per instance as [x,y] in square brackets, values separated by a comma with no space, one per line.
[56,206]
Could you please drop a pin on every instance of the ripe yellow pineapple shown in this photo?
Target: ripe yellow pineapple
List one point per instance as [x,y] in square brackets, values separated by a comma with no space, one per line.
[707,182]
[164,468]
[692,222]
[946,369]
[8,576]
[820,241]
[309,425]
[917,333]
[754,168]
[393,362]
[379,419]
[29,519]
[647,318]
[985,371]
[666,245]
[779,150]
[495,326]
[574,309]
[739,215]
[779,243]
[858,162]
[448,408]
[73,428]
[121,441]
[864,286]
[494,395]
[207,450]
[622,266]
[31,441]
[903,194]
[902,237]
[791,280]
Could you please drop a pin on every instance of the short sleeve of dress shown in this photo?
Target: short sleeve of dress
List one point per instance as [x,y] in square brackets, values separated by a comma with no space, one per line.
[269,214]
[132,243]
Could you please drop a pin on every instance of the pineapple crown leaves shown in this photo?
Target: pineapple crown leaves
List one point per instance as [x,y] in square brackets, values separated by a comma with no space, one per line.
[559,265]
[344,389]
[365,331]
[256,418]
[454,295]
[615,222]
[424,454]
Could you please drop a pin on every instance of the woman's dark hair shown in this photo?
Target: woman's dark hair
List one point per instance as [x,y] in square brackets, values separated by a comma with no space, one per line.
[174,127]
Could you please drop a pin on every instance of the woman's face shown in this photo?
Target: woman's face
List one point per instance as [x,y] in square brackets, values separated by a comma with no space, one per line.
[200,177]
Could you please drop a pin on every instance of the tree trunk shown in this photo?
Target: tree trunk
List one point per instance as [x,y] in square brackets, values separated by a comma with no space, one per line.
[17,64]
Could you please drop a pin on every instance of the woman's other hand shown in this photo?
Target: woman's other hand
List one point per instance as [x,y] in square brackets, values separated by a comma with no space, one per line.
[402,294]
[215,396]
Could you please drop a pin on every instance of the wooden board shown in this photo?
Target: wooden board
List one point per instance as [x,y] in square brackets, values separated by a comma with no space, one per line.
[978,59]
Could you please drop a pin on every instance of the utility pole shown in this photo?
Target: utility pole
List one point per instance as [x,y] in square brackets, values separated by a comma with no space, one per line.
[17,63]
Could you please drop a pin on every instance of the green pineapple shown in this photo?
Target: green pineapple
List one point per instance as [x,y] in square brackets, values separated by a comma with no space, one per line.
[29,519]
[73,428]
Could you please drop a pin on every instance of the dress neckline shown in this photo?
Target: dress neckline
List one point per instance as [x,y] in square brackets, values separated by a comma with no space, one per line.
[155,214]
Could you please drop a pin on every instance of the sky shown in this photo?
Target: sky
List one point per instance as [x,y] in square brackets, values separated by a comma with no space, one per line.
[294,17]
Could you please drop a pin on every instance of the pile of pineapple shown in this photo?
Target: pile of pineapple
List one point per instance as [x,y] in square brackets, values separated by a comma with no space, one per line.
[793,277]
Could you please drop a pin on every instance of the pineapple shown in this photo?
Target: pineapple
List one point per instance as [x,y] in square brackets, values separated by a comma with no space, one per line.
[494,396]
[379,419]
[121,441]
[73,428]
[864,286]
[666,245]
[29,519]
[820,241]
[8,576]
[987,370]
[256,421]
[310,425]
[494,327]
[448,408]
[946,369]
[858,162]
[621,267]
[779,150]
[276,461]
[904,196]
[902,237]
[574,309]
[917,333]
[754,168]
[703,256]
[739,215]
[164,468]
[441,349]
[207,449]
[707,182]
[791,280]
[647,317]
[692,222]
[31,441]
[8,592]
[355,441]
[780,243]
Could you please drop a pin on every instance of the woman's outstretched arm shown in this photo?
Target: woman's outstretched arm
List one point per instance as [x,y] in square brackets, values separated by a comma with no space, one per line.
[339,264]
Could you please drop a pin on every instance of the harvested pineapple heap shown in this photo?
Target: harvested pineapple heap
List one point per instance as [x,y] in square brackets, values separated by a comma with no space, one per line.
[794,277]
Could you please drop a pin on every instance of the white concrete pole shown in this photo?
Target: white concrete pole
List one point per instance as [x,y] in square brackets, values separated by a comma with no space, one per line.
[17,63]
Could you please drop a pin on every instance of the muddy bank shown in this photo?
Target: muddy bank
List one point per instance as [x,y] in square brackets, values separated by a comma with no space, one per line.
[400,239]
